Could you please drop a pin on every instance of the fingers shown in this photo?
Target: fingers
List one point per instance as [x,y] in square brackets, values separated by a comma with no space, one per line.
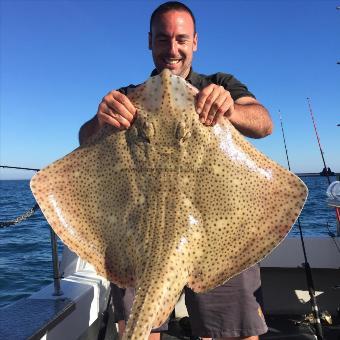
[120,103]
[224,110]
[117,110]
[105,115]
[212,103]
[215,106]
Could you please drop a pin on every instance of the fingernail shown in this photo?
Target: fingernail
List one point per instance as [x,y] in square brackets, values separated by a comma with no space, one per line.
[208,122]
[202,120]
[199,110]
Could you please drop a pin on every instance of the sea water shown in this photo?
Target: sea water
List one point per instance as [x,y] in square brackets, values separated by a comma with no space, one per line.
[25,248]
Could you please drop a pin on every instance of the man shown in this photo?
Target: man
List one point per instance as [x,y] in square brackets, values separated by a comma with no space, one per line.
[231,310]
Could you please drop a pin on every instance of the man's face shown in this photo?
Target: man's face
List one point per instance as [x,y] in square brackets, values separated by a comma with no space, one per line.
[173,41]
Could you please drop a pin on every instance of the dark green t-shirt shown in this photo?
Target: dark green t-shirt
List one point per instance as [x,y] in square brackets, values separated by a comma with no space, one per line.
[200,81]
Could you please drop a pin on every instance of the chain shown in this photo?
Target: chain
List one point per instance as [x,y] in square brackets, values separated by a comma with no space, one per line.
[21,218]
[28,213]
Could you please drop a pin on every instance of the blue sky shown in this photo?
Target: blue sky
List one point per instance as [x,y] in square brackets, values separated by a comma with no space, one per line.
[59,58]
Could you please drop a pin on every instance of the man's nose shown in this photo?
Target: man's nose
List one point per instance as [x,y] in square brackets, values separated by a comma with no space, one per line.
[173,48]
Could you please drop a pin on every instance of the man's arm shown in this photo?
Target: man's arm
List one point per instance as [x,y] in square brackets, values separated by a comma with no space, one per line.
[213,102]
[250,117]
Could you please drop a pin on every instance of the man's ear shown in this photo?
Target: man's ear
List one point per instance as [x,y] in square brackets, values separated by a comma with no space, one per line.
[150,41]
[195,42]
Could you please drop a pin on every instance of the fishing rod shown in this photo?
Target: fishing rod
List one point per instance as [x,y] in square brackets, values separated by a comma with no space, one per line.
[326,170]
[284,139]
[318,139]
[308,271]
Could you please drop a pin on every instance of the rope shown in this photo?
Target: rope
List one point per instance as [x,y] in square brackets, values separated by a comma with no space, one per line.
[16,167]
[21,218]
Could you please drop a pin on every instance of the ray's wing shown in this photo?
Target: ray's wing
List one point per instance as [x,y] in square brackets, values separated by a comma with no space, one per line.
[89,197]
[248,205]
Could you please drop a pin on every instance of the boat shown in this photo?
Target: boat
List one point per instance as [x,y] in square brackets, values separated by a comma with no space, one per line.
[76,303]
[327,172]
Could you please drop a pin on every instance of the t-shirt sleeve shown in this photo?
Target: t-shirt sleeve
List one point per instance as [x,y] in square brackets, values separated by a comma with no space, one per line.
[125,89]
[233,85]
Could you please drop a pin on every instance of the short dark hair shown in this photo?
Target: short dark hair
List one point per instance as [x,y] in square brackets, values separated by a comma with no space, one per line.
[171,6]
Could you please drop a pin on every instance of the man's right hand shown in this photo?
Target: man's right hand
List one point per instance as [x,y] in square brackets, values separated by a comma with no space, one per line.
[116,109]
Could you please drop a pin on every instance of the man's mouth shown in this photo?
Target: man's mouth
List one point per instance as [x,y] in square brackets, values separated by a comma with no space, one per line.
[172,61]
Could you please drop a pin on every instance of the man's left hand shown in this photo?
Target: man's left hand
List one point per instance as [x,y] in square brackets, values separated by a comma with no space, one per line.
[212,103]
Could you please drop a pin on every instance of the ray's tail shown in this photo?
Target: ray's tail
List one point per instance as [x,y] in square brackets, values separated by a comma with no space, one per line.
[171,228]
[156,296]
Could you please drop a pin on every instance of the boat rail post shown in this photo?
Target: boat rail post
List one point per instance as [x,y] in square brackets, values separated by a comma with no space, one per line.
[338,224]
[56,273]
[338,214]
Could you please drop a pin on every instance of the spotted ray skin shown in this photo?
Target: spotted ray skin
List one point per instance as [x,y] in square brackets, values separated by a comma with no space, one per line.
[168,202]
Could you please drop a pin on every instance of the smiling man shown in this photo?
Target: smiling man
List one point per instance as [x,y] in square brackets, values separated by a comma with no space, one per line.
[172,40]
[230,311]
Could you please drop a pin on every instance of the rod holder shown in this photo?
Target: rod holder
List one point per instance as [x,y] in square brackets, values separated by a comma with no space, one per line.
[337,215]
[55,262]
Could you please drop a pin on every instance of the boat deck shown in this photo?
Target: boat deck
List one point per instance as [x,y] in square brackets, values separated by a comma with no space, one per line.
[285,300]
[284,327]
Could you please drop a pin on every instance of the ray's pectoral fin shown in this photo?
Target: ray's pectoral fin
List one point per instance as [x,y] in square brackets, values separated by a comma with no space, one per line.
[258,202]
